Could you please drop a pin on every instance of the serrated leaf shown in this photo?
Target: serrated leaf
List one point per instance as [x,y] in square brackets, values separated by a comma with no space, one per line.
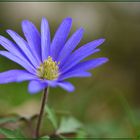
[51,116]
[12,134]
[69,125]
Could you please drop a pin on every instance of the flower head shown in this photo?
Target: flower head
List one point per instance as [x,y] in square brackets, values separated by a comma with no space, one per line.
[46,62]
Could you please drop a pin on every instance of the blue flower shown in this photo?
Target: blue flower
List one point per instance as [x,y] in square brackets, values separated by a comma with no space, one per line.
[46,62]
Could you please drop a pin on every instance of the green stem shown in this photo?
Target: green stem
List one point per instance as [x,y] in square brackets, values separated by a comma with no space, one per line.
[44,100]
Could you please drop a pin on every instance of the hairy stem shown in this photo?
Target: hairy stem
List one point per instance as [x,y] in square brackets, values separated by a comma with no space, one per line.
[44,100]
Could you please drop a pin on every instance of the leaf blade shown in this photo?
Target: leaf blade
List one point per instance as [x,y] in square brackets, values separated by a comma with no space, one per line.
[69,125]
[51,116]
[12,134]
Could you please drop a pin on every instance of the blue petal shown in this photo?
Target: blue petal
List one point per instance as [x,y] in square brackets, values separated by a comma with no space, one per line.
[45,39]
[82,53]
[90,64]
[36,86]
[13,76]
[33,37]
[60,37]
[26,77]
[70,45]
[75,73]
[75,59]
[23,46]
[66,86]
[51,83]
[21,62]
[12,48]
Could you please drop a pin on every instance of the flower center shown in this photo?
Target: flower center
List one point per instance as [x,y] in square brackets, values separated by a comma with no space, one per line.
[48,69]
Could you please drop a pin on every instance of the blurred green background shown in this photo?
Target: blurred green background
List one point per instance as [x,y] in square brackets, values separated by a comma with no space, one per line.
[108,103]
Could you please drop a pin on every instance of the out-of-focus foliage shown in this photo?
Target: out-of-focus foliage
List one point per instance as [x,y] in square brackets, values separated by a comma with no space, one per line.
[12,134]
[108,103]
[68,127]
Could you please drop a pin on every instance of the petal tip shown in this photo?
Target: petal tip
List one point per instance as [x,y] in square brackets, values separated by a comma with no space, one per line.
[68,19]
[35,87]
[11,32]
[105,59]
[72,89]
[102,40]
[44,19]
[8,30]
[31,91]
[81,29]
[67,86]
[25,23]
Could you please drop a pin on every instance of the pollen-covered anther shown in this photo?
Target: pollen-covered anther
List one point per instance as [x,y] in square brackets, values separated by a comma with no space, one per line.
[48,69]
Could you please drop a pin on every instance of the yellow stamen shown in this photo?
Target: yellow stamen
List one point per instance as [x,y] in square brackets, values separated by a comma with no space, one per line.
[48,69]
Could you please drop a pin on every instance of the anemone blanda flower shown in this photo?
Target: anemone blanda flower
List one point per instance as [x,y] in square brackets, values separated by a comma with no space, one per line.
[46,62]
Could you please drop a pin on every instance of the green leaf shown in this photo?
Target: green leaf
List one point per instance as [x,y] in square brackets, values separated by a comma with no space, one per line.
[81,134]
[51,116]
[64,138]
[69,125]
[12,134]
[10,119]
[45,138]
[8,133]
